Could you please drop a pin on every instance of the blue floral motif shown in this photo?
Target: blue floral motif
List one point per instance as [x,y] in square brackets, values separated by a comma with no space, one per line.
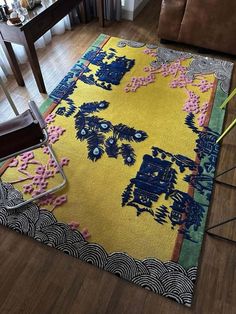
[206,147]
[185,210]
[161,214]
[181,161]
[158,176]
[111,69]
[94,55]
[101,135]
[66,87]
[201,182]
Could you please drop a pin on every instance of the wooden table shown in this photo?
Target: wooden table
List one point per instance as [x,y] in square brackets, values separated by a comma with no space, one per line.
[38,22]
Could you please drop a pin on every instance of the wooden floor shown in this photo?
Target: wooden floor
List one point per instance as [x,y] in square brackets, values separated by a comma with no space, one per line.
[37,279]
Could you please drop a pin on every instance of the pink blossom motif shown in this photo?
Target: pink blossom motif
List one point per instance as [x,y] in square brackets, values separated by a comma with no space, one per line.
[47,200]
[14,163]
[48,174]
[51,129]
[43,185]
[64,161]
[52,163]
[173,69]
[25,157]
[73,225]
[41,173]
[60,130]
[40,170]
[201,119]
[53,138]
[164,73]
[204,85]
[150,52]
[86,233]
[46,150]
[181,81]
[59,200]
[174,84]
[192,104]
[38,179]
[36,192]
[54,133]
[56,129]
[147,51]
[204,107]
[22,167]
[50,118]
[28,188]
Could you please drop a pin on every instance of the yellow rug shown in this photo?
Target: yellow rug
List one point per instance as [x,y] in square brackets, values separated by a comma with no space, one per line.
[135,128]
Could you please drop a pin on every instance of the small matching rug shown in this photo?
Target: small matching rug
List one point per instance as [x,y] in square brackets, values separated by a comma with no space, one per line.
[135,129]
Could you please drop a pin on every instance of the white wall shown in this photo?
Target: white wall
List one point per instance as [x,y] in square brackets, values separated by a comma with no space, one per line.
[137,3]
[131,8]
[128,5]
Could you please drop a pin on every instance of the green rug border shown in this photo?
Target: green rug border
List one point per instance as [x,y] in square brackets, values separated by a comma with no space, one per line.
[188,257]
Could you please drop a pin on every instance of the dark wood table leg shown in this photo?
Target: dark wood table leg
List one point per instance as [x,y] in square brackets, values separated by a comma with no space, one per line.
[9,52]
[100,6]
[34,62]
[82,11]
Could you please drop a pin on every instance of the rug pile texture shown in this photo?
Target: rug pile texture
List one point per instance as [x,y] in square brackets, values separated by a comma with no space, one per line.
[134,127]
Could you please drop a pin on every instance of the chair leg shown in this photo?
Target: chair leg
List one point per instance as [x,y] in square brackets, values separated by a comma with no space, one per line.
[9,97]
[43,194]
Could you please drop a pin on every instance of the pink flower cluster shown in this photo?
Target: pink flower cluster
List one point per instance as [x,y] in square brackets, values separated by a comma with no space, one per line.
[173,68]
[192,103]
[151,52]
[50,118]
[204,85]
[137,82]
[14,163]
[203,112]
[53,200]
[181,81]
[86,233]
[26,157]
[74,225]
[54,133]
[42,174]
[39,181]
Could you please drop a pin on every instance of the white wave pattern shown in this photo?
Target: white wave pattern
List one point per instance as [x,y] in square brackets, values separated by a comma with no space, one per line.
[169,279]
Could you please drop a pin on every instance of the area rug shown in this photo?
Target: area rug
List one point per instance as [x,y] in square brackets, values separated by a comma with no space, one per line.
[135,129]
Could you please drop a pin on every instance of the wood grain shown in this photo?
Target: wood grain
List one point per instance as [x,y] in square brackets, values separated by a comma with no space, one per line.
[37,279]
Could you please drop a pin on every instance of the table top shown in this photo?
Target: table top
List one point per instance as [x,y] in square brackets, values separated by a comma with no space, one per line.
[38,10]
[45,4]
[38,21]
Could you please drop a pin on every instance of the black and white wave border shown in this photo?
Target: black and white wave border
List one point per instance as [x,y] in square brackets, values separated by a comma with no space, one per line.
[168,279]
